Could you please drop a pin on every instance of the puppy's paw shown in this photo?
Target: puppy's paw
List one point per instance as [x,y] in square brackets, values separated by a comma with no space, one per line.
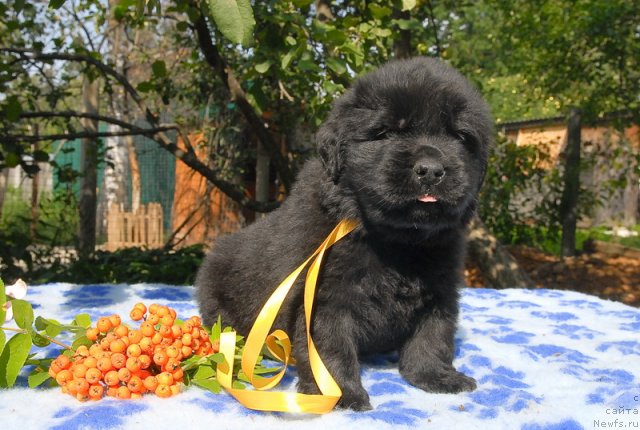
[456,382]
[446,380]
[356,400]
[307,387]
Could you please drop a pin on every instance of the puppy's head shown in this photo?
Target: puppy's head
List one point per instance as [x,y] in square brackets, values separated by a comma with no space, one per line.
[410,143]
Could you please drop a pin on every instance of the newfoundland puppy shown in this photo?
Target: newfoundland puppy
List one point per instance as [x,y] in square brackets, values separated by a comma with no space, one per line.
[403,152]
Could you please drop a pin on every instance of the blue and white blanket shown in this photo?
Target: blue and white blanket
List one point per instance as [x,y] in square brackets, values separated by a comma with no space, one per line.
[543,359]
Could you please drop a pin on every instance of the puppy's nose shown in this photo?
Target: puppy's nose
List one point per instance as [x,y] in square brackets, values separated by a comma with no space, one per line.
[429,171]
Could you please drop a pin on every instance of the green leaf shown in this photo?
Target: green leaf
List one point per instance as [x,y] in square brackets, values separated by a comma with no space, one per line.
[3,338]
[208,384]
[82,340]
[22,313]
[36,378]
[287,58]
[204,372]
[145,87]
[291,41]
[159,69]
[39,340]
[3,300]
[234,19]
[337,65]
[83,320]
[182,26]
[216,358]
[302,3]
[237,385]
[408,4]
[263,67]
[216,330]
[13,108]
[56,4]
[13,357]
[379,11]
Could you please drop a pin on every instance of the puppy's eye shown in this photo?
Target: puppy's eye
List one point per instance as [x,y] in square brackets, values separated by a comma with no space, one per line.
[381,134]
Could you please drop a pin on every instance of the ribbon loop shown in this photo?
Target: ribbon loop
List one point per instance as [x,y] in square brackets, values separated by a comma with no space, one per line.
[258,336]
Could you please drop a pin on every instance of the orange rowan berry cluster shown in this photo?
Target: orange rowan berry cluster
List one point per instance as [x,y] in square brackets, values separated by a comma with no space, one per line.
[126,363]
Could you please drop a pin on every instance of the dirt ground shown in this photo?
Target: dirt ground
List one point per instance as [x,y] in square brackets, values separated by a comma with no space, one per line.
[612,276]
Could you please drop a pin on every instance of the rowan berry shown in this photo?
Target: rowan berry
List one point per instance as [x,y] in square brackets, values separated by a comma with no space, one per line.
[80,385]
[135,336]
[153,308]
[136,314]
[83,397]
[156,338]
[153,319]
[123,393]
[145,361]
[171,365]
[121,331]
[134,350]
[95,349]
[163,391]
[90,362]
[64,376]
[172,351]
[79,370]
[104,325]
[162,311]
[135,384]
[175,389]
[111,391]
[117,346]
[82,352]
[111,378]
[167,321]
[186,351]
[118,360]
[176,331]
[160,357]
[164,331]
[165,378]
[93,375]
[187,339]
[63,362]
[215,346]
[146,345]
[124,374]
[178,374]
[92,334]
[147,329]
[133,364]
[115,320]
[104,364]
[150,383]
[140,306]
[96,391]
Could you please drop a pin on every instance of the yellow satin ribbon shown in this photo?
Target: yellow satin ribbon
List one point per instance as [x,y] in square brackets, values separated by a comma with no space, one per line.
[258,336]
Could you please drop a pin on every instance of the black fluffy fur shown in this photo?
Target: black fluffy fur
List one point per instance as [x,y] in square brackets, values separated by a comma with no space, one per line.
[412,128]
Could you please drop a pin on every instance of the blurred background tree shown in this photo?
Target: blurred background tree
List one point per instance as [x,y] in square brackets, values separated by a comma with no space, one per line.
[259,77]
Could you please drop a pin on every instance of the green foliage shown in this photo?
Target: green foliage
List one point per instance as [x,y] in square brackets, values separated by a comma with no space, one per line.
[520,201]
[132,265]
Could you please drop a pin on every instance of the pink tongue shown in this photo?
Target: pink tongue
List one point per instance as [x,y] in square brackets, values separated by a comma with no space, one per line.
[428,198]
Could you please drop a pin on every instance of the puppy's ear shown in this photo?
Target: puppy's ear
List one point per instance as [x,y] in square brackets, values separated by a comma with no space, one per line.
[329,149]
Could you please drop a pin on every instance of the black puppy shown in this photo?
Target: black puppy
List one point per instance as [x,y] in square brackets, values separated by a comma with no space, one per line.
[403,152]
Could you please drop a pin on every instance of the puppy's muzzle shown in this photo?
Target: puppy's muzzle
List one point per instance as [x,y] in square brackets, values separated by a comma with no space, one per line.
[429,171]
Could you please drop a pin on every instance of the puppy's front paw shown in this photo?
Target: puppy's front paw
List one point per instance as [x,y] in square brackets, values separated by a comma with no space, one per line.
[456,382]
[447,380]
[356,400]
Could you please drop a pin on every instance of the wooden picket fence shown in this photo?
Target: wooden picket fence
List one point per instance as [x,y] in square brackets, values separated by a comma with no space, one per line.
[141,228]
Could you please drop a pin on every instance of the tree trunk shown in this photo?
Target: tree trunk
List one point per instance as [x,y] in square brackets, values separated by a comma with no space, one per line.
[402,44]
[569,201]
[262,175]
[134,168]
[89,170]
[496,264]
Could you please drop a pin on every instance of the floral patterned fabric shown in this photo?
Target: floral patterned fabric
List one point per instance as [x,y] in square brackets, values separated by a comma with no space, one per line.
[543,359]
